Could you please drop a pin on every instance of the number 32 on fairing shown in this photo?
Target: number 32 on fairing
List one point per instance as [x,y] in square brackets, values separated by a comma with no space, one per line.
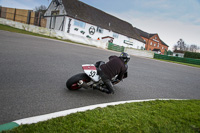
[92,73]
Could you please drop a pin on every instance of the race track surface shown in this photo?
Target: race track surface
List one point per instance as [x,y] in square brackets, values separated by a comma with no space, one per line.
[33,72]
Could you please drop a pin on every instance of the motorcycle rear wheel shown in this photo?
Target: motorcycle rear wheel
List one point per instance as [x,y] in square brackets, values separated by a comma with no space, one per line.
[72,83]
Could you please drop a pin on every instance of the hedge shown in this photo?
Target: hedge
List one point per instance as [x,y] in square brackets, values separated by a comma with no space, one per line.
[177,59]
[192,55]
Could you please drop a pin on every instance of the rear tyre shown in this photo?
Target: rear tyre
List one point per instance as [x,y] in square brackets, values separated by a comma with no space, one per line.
[72,83]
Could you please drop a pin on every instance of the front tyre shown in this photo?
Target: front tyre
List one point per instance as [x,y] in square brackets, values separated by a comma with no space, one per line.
[72,83]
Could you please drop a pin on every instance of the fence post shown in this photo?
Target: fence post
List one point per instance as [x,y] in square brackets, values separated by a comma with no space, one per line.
[40,17]
[14,15]
[29,17]
[0,11]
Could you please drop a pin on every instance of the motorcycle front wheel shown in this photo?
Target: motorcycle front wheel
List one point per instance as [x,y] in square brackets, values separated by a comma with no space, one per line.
[72,83]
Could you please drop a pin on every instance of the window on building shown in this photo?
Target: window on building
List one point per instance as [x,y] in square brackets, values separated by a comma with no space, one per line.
[79,23]
[162,47]
[54,13]
[115,35]
[154,45]
[100,30]
[156,38]
[151,43]
[158,44]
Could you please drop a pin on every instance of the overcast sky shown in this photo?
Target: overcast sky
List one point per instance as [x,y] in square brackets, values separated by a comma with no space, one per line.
[171,19]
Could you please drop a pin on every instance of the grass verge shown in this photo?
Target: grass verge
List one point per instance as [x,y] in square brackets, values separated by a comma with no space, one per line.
[193,65]
[12,29]
[148,117]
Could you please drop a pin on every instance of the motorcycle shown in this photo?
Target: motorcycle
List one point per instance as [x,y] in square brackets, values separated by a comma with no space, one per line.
[89,79]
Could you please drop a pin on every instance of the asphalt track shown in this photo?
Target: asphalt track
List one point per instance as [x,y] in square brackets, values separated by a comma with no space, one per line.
[33,72]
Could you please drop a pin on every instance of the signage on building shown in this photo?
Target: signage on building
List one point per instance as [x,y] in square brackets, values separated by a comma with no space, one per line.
[128,42]
[155,40]
[91,30]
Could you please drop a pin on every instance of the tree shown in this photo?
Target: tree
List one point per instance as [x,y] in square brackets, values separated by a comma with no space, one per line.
[193,48]
[40,8]
[169,52]
[181,46]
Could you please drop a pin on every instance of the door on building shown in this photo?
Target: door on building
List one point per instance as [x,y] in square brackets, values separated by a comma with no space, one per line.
[53,20]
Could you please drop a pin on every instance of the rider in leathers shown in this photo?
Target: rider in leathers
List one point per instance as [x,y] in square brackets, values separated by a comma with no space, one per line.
[115,66]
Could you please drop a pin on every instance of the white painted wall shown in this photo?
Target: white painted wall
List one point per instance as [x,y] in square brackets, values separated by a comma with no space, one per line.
[96,35]
[52,7]
[179,54]
[137,52]
[58,19]
[58,22]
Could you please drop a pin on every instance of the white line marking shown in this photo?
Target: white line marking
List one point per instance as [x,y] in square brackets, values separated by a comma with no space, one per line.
[45,117]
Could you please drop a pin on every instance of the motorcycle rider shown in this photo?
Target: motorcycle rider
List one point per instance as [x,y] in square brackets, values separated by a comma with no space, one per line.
[115,66]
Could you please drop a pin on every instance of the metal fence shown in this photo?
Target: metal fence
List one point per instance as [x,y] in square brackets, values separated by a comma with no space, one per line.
[177,59]
[23,16]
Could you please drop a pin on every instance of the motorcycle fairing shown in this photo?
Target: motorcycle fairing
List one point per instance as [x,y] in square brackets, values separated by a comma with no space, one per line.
[91,71]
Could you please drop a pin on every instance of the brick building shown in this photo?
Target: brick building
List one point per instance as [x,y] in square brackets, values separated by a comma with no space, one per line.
[153,42]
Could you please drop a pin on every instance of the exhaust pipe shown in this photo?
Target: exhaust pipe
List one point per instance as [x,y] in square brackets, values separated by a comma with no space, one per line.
[83,84]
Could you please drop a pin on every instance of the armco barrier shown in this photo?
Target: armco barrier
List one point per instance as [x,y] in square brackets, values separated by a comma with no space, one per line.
[115,47]
[178,59]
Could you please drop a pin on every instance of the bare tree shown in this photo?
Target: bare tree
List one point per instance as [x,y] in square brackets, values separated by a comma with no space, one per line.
[181,45]
[193,48]
[40,8]
[175,47]
[187,48]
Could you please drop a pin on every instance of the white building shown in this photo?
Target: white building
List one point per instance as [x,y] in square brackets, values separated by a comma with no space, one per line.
[78,18]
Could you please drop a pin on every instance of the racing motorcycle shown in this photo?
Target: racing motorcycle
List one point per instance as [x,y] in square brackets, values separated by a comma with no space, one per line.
[89,79]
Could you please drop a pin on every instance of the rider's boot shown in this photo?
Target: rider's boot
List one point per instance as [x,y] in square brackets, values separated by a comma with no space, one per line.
[101,89]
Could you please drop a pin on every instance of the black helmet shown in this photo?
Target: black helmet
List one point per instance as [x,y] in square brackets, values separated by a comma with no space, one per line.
[125,57]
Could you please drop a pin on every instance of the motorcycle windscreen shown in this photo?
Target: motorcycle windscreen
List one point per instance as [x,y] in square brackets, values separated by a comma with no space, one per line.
[91,71]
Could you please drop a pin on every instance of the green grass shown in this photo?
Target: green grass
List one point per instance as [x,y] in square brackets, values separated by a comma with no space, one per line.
[12,29]
[158,116]
[193,65]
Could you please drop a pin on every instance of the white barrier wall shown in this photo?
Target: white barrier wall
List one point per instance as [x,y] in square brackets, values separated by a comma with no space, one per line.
[54,33]
[141,53]
[66,36]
